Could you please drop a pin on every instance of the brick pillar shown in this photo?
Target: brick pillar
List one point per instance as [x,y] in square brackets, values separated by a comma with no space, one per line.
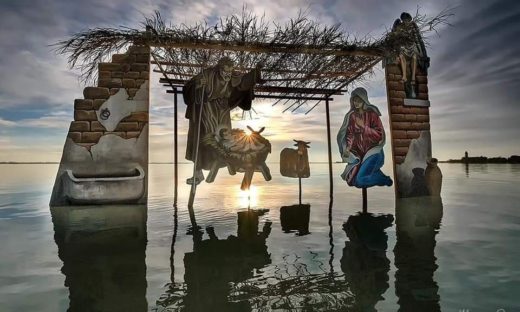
[409,126]
[128,71]
[105,156]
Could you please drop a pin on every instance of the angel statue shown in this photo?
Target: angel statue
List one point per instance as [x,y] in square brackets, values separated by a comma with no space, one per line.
[411,55]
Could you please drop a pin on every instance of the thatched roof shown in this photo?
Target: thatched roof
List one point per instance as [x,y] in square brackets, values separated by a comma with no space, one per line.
[300,58]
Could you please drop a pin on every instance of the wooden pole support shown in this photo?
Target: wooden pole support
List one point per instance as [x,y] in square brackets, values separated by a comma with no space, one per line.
[365,208]
[300,188]
[175,152]
[194,178]
[329,146]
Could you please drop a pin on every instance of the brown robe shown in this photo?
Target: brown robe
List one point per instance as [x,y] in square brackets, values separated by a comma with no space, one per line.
[219,99]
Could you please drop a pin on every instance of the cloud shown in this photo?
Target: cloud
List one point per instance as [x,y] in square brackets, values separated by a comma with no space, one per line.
[52,122]
[474,77]
[6,123]
[31,78]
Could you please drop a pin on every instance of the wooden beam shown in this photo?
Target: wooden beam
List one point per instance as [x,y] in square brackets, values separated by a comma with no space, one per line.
[290,97]
[281,71]
[272,89]
[277,89]
[221,45]
[344,85]
[309,77]
[269,96]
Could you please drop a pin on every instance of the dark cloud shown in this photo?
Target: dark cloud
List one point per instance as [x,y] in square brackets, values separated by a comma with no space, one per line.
[475,80]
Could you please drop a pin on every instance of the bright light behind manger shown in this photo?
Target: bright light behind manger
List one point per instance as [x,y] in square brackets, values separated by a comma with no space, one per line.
[249,198]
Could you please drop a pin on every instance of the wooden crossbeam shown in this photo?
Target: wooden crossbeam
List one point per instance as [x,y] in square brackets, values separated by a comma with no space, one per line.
[269,96]
[272,89]
[246,69]
[268,48]
[309,77]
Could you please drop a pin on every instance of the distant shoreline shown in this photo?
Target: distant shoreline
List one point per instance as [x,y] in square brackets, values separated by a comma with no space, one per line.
[28,163]
[151,163]
[514,159]
[471,160]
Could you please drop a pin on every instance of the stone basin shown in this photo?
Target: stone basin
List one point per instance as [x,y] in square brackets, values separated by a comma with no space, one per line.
[104,189]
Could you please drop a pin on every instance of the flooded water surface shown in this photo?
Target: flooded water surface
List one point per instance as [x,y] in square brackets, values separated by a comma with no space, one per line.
[264,250]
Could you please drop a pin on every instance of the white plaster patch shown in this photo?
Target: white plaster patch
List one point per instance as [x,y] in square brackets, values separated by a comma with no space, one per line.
[419,151]
[120,106]
[416,102]
[113,148]
[73,153]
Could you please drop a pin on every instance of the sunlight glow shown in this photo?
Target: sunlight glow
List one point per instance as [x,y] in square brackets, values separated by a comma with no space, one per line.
[249,198]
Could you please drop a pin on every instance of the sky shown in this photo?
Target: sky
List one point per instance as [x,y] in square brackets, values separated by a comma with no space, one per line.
[474,78]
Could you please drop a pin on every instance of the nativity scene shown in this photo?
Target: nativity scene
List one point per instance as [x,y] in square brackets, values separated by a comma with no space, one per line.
[257,162]
[217,69]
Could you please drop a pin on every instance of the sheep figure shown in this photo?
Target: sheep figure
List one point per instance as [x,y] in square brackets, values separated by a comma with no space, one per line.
[294,163]
[240,152]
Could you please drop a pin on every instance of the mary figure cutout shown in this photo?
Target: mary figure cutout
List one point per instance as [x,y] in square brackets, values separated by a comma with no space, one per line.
[360,140]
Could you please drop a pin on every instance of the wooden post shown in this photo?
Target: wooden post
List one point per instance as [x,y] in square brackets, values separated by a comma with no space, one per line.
[365,208]
[172,246]
[193,220]
[331,238]
[175,151]
[194,182]
[329,146]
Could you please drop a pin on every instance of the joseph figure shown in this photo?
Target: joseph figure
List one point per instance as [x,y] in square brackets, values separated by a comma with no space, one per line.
[218,90]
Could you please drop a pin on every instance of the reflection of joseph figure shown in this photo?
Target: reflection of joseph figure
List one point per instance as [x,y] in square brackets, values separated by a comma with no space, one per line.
[360,140]
[219,90]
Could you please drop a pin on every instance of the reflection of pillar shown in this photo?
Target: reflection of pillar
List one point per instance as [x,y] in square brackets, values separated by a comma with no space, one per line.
[295,218]
[417,223]
[214,263]
[103,254]
[364,260]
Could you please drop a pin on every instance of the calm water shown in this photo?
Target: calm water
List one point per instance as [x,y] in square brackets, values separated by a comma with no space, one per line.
[461,252]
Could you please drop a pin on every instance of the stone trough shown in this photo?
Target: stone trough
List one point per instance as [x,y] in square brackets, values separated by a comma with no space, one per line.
[104,189]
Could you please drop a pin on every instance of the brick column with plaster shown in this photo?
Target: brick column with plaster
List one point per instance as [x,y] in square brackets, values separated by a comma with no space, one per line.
[105,156]
[409,124]
[128,71]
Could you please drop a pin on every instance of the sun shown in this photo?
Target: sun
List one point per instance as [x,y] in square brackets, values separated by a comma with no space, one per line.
[249,198]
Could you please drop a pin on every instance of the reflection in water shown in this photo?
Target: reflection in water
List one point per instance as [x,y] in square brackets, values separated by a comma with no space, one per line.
[295,218]
[293,285]
[417,222]
[364,260]
[103,254]
[214,263]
